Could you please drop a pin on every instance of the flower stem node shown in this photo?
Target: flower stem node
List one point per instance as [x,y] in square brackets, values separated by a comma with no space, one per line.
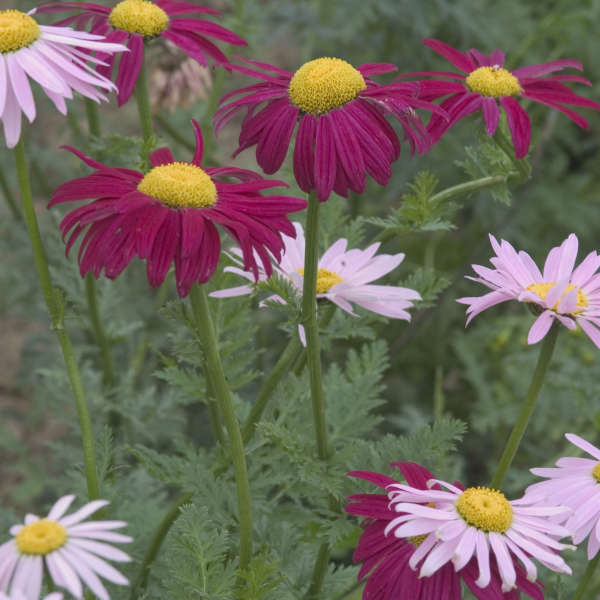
[179,185]
[139,16]
[17,30]
[494,82]
[41,537]
[486,509]
[325,279]
[323,84]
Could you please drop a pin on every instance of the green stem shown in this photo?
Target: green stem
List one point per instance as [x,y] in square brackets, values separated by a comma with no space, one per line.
[521,164]
[108,364]
[10,199]
[214,414]
[93,117]
[143,103]
[587,577]
[528,405]
[206,334]
[319,572]
[175,133]
[157,539]
[55,305]
[311,326]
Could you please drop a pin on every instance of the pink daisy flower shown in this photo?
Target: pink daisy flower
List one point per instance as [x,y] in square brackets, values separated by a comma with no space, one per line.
[483,82]
[343,277]
[575,484]
[561,292]
[70,550]
[133,21]
[18,595]
[55,57]
[388,559]
[479,523]
[168,215]
[342,131]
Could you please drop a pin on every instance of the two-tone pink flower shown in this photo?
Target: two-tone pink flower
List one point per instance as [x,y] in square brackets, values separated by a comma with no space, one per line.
[560,293]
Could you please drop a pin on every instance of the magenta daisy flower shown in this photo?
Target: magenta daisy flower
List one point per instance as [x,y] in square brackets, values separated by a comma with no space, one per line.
[132,21]
[575,483]
[342,131]
[54,57]
[69,549]
[563,293]
[483,83]
[168,215]
[478,523]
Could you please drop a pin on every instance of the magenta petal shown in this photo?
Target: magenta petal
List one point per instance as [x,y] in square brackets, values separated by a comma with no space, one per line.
[325,159]
[304,153]
[275,139]
[179,8]
[519,125]
[548,67]
[129,68]
[197,160]
[207,28]
[348,149]
[161,156]
[163,249]
[491,113]
[458,59]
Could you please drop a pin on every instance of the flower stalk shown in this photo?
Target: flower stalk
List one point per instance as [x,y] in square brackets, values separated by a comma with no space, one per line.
[586,578]
[142,97]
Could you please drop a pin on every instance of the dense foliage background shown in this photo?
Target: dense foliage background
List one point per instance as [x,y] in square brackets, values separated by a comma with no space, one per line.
[396,391]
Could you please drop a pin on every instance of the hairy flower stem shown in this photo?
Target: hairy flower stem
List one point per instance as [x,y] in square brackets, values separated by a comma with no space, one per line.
[157,539]
[205,332]
[55,305]
[10,199]
[586,578]
[319,571]
[142,97]
[528,405]
[521,164]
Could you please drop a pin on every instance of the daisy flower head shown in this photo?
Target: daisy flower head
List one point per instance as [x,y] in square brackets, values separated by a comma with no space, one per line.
[342,130]
[387,559]
[483,83]
[168,215]
[70,549]
[479,524]
[343,276]
[574,483]
[134,21]
[562,292]
[54,57]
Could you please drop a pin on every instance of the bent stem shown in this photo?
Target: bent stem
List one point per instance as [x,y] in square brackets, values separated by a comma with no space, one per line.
[528,405]
[206,334]
[55,305]
[586,578]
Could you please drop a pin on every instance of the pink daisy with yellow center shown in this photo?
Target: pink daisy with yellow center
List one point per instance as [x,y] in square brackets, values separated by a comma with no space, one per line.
[168,215]
[132,21]
[483,83]
[340,113]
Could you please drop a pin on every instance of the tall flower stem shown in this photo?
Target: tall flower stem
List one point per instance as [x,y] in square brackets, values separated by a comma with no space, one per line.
[10,200]
[55,305]
[586,578]
[528,405]
[142,97]
[205,332]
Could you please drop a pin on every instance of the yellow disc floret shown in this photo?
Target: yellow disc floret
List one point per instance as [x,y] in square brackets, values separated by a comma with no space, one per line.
[17,30]
[542,289]
[485,509]
[596,472]
[41,537]
[323,84]
[325,280]
[493,81]
[179,185]
[139,16]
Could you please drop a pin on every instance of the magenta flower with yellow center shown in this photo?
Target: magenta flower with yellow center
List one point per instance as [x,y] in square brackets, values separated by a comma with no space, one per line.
[483,84]
[132,21]
[168,215]
[54,57]
[70,549]
[562,292]
[340,113]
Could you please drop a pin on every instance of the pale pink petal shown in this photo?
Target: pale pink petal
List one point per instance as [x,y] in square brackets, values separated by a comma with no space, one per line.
[584,445]
[540,327]
[83,512]
[60,507]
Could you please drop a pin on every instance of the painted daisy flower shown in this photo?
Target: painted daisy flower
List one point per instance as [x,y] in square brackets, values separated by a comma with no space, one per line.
[70,550]
[18,595]
[133,21]
[388,560]
[575,483]
[483,82]
[168,215]
[342,131]
[478,523]
[55,57]
[343,277]
[561,292]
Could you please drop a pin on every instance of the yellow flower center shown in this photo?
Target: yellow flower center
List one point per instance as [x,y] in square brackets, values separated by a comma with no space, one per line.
[493,81]
[325,280]
[323,84]
[417,540]
[41,537]
[596,472]
[542,289]
[139,16]
[179,185]
[17,30]
[485,509]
